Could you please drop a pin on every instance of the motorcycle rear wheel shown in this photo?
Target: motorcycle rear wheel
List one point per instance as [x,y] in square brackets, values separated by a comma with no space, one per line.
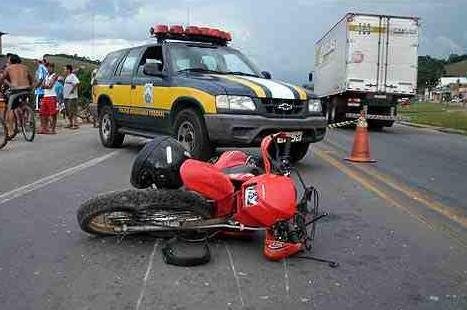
[107,214]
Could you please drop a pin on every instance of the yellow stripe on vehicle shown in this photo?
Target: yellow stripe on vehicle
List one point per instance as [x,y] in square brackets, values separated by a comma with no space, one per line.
[164,97]
[258,90]
[300,91]
[100,89]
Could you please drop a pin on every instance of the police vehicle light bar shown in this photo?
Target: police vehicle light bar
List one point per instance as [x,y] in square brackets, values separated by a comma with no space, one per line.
[190,33]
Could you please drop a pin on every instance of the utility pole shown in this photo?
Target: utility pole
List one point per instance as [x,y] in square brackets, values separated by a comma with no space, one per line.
[1,34]
[188,16]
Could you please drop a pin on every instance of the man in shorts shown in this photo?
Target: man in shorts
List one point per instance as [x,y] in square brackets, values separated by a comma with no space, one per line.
[70,93]
[48,110]
[20,81]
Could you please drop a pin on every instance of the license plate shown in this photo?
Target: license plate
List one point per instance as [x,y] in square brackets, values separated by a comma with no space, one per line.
[380,96]
[295,136]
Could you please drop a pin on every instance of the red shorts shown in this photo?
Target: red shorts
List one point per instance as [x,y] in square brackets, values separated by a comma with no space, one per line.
[48,106]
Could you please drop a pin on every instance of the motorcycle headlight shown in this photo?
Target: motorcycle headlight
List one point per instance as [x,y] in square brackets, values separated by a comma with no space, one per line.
[314,105]
[235,103]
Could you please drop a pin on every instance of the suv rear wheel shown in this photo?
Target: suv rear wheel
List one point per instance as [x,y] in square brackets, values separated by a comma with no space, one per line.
[190,130]
[108,131]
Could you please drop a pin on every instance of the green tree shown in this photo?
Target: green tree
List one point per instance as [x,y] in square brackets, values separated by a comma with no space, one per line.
[453,58]
[85,88]
[430,70]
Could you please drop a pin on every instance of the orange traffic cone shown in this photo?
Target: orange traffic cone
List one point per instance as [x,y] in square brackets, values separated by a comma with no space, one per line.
[361,145]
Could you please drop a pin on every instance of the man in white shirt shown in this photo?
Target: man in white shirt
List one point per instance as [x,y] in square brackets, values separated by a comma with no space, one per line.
[48,110]
[70,94]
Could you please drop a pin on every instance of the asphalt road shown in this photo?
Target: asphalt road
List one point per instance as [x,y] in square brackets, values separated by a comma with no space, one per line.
[397,228]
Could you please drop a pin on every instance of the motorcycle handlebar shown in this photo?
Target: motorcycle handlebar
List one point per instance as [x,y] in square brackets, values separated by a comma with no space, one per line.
[284,158]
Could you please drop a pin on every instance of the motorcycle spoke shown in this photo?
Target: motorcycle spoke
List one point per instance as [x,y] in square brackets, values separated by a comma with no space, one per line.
[111,222]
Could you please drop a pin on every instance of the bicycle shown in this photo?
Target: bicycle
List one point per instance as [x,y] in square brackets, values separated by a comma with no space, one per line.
[27,119]
[3,133]
[85,114]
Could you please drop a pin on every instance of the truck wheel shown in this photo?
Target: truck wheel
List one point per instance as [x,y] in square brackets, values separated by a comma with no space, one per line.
[108,131]
[299,151]
[191,131]
[378,125]
[331,114]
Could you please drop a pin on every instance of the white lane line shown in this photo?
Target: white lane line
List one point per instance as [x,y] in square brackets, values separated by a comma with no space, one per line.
[237,279]
[23,190]
[146,276]
[286,277]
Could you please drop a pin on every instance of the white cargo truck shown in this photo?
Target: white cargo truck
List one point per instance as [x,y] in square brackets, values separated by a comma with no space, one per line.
[367,61]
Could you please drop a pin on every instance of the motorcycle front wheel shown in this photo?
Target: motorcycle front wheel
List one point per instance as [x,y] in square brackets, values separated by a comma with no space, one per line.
[110,214]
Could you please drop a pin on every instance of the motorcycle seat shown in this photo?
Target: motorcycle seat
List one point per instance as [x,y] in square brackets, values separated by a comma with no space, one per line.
[242,170]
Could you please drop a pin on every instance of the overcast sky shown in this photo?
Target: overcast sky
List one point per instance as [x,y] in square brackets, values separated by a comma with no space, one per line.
[278,35]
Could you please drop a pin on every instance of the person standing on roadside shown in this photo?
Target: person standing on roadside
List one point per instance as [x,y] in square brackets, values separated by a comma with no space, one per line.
[48,110]
[59,91]
[70,93]
[41,73]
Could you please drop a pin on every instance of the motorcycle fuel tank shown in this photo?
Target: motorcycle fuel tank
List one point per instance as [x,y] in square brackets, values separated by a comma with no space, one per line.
[209,182]
[265,200]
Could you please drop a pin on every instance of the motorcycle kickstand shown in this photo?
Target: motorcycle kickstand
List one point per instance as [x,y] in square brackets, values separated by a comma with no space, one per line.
[331,263]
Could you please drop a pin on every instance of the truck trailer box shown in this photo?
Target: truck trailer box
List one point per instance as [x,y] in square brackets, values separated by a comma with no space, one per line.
[367,56]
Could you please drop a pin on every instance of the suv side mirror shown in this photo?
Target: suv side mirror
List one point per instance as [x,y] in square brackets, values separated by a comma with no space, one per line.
[310,77]
[266,75]
[153,69]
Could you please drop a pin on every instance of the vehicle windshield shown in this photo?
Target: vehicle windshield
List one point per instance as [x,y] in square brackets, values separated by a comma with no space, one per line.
[212,59]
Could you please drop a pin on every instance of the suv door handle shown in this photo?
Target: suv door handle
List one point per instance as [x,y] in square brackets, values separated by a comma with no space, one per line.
[133,86]
[111,86]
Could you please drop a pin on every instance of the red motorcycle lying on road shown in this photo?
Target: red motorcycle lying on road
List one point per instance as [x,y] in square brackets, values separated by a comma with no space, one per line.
[237,194]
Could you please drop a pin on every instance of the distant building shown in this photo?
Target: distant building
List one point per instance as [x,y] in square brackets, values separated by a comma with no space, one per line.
[450,87]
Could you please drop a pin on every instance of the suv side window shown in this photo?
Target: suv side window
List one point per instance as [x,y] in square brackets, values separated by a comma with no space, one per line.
[210,62]
[153,54]
[126,67]
[107,67]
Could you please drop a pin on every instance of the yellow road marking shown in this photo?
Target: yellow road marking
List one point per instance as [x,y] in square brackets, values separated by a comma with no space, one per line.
[373,188]
[419,197]
[367,184]
[413,194]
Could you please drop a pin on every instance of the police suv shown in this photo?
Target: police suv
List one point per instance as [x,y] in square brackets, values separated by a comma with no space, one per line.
[190,84]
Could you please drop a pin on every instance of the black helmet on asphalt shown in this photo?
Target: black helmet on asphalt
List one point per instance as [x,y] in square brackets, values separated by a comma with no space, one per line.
[159,163]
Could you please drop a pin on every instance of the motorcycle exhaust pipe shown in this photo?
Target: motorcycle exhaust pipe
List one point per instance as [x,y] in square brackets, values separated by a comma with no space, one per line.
[149,228]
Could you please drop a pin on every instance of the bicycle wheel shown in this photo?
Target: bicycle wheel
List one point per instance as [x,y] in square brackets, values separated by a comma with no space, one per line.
[28,123]
[3,133]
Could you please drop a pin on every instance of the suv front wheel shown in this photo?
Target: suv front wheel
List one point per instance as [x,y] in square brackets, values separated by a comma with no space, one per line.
[190,130]
[108,131]
[299,151]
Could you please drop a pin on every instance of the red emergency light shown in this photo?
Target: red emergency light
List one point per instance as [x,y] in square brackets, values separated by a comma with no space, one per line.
[176,29]
[191,33]
[192,30]
[159,29]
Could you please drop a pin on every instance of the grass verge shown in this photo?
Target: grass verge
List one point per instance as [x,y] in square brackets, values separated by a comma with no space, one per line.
[436,114]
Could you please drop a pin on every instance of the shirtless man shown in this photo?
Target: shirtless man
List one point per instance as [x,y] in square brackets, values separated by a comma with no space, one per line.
[19,79]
